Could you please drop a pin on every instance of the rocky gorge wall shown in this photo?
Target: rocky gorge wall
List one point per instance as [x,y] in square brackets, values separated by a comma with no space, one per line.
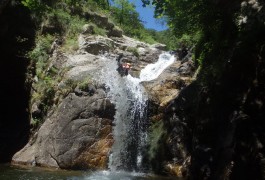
[205,128]
[215,127]
[77,130]
[16,38]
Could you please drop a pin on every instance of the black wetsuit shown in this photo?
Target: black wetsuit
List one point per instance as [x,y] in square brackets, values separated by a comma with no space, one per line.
[120,69]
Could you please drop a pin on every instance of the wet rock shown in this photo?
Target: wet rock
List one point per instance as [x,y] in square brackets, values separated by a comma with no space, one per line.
[187,68]
[167,86]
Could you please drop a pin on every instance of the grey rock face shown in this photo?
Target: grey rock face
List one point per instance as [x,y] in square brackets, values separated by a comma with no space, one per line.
[159,46]
[77,132]
[116,32]
[95,44]
[66,138]
[88,29]
[100,20]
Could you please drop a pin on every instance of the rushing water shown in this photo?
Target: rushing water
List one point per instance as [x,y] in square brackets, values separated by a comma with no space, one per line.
[130,131]
[130,100]
[152,71]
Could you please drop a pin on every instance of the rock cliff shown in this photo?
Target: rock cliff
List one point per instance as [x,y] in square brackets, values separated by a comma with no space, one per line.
[77,132]
[16,38]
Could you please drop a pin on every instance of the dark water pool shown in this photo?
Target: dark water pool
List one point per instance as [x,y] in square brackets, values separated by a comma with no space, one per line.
[9,172]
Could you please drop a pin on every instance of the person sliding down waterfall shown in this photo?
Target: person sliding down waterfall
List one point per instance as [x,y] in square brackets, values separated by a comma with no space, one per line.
[123,68]
[127,67]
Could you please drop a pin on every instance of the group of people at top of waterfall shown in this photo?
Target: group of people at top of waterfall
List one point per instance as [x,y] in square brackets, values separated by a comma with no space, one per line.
[123,68]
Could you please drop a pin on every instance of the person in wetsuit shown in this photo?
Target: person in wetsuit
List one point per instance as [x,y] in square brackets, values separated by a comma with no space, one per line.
[123,68]
[126,67]
[120,67]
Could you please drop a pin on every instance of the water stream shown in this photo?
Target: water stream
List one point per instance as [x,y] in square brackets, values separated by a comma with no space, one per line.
[130,122]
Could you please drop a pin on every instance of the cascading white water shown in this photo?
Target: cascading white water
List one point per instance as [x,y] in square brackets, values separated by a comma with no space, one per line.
[127,93]
[152,71]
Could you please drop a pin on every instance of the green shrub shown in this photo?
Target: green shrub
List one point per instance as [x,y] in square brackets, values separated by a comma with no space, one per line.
[70,83]
[157,134]
[70,45]
[83,85]
[148,39]
[42,48]
[98,30]
[40,54]
[133,50]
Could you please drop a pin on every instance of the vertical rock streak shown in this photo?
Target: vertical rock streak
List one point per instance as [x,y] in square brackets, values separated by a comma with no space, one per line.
[130,122]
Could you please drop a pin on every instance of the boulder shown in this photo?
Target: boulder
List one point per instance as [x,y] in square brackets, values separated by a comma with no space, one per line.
[167,86]
[76,135]
[159,46]
[116,32]
[100,20]
[35,110]
[95,44]
[88,29]
[187,68]
[124,42]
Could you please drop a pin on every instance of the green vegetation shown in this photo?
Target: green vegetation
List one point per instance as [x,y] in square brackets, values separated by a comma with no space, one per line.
[230,52]
[83,85]
[98,30]
[184,19]
[68,16]
[60,20]
[133,50]
[157,137]
[124,13]
[197,23]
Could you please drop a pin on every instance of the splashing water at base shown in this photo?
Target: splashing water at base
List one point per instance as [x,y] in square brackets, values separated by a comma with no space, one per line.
[10,172]
[130,122]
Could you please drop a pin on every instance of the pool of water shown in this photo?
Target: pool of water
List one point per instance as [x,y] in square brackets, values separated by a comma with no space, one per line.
[10,172]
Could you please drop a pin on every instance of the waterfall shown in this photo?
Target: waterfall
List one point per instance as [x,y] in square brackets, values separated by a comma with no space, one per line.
[152,71]
[130,122]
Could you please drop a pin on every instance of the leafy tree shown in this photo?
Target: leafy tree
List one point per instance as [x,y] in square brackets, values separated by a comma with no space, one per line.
[182,16]
[105,4]
[35,5]
[125,12]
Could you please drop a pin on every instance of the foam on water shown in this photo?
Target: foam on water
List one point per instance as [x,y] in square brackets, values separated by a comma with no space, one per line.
[152,71]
